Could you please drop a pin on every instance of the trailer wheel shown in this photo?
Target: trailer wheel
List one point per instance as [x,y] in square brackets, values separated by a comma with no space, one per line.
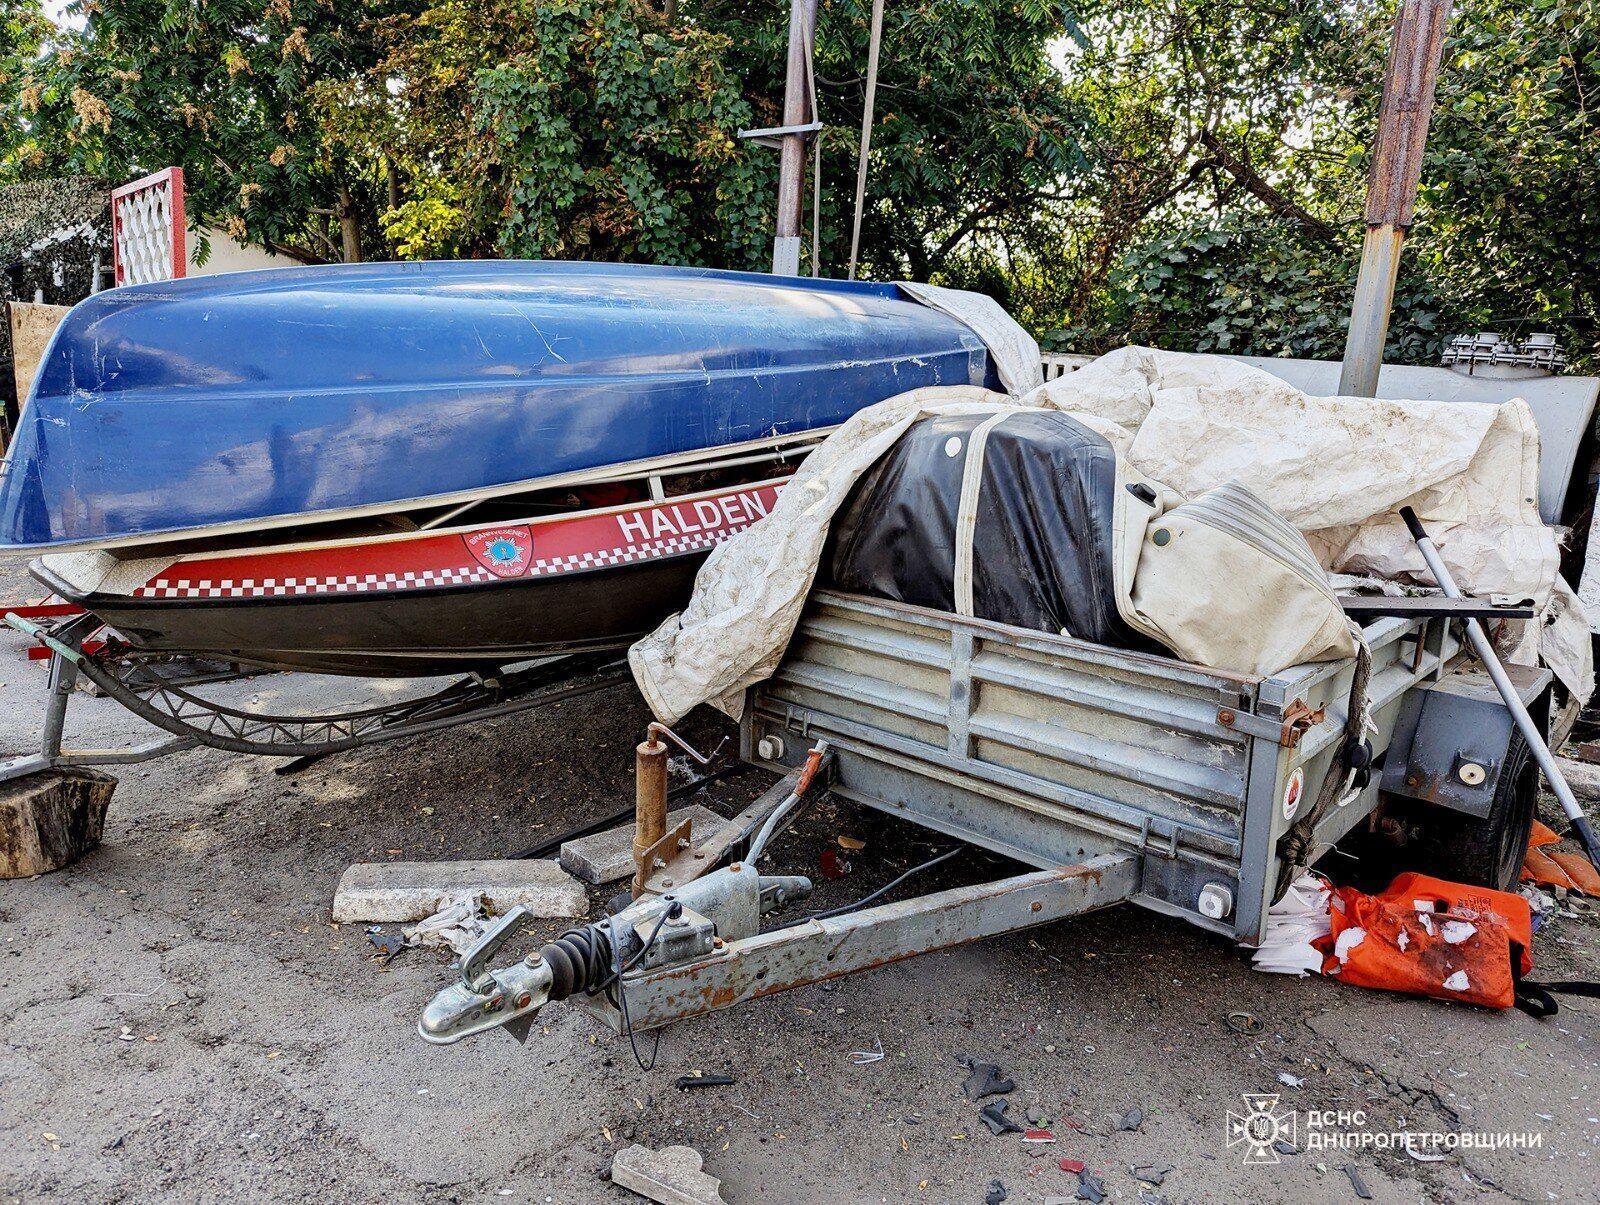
[1486,851]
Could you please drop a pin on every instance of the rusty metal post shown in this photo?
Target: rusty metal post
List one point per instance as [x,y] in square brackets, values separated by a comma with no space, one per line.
[650,804]
[1407,106]
[792,164]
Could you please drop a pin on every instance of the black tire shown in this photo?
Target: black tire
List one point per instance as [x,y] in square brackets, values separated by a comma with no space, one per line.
[1486,852]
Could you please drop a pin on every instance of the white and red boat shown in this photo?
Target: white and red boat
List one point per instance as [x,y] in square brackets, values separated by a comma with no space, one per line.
[418,602]
[417,468]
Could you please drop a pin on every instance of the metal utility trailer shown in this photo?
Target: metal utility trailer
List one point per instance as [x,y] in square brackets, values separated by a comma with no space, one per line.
[1049,750]
[1121,776]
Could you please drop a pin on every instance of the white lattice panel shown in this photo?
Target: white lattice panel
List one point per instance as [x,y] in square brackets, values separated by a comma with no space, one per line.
[150,239]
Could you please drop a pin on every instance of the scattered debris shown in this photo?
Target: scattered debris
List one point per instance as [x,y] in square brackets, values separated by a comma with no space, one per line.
[997,1193]
[1132,1119]
[387,944]
[700,1079]
[459,923]
[1290,1081]
[674,1175]
[1408,1142]
[1036,1116]
[1038,1135]
[862,1058]
[1246,1023]
[1151,1173]
[994,1116]
[1073,1166]
[832,865]
[1284,1147]
[1356,1182]
[1293,924]
[985,1080]
[851,843]
[1090,1187]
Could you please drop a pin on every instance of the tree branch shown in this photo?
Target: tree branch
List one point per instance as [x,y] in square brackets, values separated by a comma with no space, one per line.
[1266,193]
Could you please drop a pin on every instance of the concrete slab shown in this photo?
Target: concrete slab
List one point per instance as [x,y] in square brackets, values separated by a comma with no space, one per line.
[674,1175]
[394,892]
[608,856]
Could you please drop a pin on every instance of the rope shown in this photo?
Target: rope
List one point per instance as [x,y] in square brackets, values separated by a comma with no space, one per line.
[866,131]
[1338,784]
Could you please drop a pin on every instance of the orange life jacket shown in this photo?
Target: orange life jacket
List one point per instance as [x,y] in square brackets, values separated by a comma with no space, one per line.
[1431,937]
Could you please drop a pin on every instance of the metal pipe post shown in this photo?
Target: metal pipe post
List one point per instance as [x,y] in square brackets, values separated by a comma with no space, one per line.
[1408,88]
[649,804]
[1508,691]
[792,163]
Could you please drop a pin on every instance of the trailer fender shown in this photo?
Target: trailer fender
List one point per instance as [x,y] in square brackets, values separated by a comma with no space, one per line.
[1451,738]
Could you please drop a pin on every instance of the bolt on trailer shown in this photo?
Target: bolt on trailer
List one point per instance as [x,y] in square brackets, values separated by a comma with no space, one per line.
[1120,776]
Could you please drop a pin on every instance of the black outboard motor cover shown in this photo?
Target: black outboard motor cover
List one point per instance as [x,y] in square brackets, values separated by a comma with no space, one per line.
[1042,542]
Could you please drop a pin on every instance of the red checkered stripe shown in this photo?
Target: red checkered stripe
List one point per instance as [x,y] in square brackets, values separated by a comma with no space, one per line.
[574,544]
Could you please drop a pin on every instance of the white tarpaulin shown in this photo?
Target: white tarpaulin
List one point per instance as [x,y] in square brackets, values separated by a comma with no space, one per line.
[1336,468]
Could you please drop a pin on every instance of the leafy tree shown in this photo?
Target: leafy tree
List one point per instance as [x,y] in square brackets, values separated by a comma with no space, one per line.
[559,128]
[23,30]
[221,89]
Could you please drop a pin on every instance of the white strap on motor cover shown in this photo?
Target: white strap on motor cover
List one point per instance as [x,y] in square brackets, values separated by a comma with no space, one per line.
[967,510]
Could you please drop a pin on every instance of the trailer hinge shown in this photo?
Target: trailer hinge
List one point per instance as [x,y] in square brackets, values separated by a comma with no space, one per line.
[798,721]
[1297,720]
[1148,846]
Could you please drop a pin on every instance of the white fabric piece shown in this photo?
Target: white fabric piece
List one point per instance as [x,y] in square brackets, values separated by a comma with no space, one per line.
[967,510]
[1293,924]
[459,923]
[1224,582]
[750,592]
[1014,350]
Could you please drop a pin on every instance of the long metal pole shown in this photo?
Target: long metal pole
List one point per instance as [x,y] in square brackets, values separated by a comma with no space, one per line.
[792,161]
[874,43]
[1407,106]
[1508,691]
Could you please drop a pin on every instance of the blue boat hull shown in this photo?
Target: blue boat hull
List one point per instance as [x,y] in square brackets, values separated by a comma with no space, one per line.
[259,400]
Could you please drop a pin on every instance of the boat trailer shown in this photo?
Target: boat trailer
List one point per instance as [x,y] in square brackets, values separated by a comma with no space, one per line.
[134,679]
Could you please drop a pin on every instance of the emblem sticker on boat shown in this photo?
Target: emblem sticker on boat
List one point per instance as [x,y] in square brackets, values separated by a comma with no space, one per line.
[503,551]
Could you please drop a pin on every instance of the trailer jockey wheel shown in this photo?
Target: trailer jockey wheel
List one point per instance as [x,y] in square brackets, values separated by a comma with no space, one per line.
[1486,851]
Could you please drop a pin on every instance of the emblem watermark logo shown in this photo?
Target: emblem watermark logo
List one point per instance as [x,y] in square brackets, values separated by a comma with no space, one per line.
[1265,1132]
[1261,1128]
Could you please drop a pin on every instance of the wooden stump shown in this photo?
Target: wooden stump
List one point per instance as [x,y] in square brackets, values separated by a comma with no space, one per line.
[48,820]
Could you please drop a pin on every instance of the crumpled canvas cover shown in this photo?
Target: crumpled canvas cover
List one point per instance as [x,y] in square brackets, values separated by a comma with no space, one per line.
[1336,468]
[1339,469]
[1014,351]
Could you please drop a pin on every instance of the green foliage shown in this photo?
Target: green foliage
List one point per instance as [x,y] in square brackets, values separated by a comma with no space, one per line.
[220,89]
[614,137]
[1244,285]
[1505,229]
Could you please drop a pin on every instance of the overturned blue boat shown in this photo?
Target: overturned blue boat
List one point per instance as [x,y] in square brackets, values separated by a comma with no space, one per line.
[399,467]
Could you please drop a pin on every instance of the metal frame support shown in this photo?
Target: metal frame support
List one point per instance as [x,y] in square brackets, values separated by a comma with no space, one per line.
[815,950]
[66,643]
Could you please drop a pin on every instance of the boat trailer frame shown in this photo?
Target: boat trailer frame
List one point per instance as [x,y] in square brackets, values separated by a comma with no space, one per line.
[129,677]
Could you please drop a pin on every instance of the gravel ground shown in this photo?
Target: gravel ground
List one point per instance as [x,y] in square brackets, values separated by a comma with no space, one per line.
[183,1023]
